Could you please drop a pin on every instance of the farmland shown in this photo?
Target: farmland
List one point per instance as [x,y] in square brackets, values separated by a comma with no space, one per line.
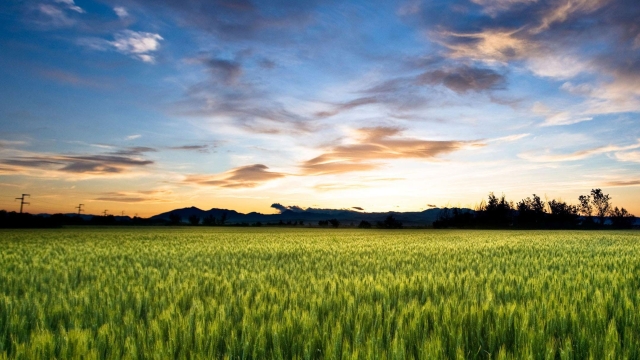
[254,293]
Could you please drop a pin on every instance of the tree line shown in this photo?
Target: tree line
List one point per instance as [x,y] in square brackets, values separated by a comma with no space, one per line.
[593,211]
[25,220]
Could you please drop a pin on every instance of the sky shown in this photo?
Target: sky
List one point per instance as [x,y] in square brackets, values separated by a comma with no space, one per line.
[142,106]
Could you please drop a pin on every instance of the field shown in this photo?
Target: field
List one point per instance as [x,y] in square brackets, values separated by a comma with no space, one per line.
[252,293]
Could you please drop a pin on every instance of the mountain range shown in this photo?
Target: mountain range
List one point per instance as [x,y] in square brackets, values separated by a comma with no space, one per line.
[308,216]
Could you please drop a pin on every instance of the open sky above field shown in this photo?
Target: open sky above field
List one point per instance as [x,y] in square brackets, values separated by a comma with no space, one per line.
[143,106]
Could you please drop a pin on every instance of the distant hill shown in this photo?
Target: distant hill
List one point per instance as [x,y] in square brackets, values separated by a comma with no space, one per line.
[308,216]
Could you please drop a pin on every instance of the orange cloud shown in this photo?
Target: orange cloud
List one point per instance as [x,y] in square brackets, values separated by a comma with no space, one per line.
[135,197]
[488,45]
[378,143]
[624,183]
[241,177]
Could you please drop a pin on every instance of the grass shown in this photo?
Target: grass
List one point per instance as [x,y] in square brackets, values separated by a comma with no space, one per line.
[185,293]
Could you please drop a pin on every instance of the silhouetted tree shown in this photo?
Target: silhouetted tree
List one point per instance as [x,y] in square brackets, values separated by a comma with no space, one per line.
[531,212]
[585,209]
[621,218]
[454,218]
[323,223]
[364,225]
[223,218]
[194,220]
[389,223]
[334,222]
[601,204]
[562,215]
[495,212]
[209,220]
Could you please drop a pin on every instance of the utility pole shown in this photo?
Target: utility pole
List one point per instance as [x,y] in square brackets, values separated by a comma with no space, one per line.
[80,209]
[122,212]
[22,203]
[105,212]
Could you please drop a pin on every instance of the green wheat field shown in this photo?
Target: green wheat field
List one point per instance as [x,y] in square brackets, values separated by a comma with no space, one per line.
[256,293]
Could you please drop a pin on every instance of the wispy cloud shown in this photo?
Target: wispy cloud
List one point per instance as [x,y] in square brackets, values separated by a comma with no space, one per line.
[622,183]
[121,12]
[464,79]
[558,118]
[148,196]
[228,71]
[565,118]
[338,108]
[224,97]
[375,144]
[92,164]
[133,151]
[197,148]
[488,46]
[561,11]
[133,137]
[4,144]
[582,154]
[631,156]
[70,4]
[53,16]
[416,90]
[118,162]
[508,138]
[137,44]
[241,177]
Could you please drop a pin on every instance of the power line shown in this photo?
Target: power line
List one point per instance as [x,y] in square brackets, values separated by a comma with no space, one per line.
[22,202]
[80,209]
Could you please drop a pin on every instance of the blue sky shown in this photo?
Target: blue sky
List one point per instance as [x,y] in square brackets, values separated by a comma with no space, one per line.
[143,106]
